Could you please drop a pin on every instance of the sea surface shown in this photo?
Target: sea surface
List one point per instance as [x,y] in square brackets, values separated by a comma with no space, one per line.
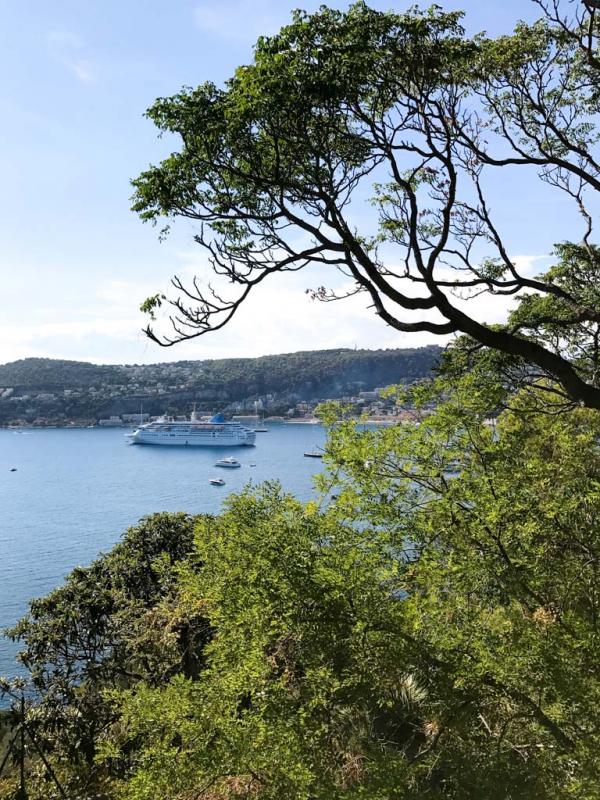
[76,490]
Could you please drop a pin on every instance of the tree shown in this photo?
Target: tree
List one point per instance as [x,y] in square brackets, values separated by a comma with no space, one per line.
[338,106]
[549,321]
[307,691]
[431,633]
[498,529]
[111,624]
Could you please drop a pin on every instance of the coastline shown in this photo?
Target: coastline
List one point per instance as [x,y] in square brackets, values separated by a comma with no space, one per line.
[275,421]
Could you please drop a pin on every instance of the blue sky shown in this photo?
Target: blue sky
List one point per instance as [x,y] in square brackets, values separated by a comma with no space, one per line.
[75,262]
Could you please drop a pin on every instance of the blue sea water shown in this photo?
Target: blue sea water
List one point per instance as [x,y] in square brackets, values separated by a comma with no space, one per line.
[76,490]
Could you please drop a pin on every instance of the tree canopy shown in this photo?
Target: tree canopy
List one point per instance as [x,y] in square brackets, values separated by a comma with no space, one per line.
[111,624]
[427,628]
[431,633]
[406,111]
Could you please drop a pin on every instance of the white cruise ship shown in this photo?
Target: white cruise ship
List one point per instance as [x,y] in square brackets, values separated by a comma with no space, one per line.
[213,432]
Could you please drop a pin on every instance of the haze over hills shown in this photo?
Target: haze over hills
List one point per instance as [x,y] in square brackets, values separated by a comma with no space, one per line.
[49,390]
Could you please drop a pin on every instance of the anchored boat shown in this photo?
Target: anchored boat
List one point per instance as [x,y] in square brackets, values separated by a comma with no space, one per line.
[213,432]
[230,462]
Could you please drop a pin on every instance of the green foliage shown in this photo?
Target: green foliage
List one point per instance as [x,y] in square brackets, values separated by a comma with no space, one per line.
[307,692]
[50,373]
[111,624]
[500,581]
[562,324]
[277,373]
[292,120]
[432,633]
[150,304]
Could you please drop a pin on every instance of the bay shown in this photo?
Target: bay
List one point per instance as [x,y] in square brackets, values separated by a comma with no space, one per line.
[75,491]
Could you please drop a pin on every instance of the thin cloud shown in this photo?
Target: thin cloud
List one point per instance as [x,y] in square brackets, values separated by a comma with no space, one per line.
[278,317]
[530,265]
[69,49]
[93,339]
[83,71]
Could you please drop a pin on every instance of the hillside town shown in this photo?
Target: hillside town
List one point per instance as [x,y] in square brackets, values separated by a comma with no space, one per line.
[46,392]
[376,405]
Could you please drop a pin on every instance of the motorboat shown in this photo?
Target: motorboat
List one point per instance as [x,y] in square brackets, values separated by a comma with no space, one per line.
[313,454]
[217,481]
[230,462]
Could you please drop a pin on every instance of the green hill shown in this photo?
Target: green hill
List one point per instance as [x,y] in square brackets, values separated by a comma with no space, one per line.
[54,389]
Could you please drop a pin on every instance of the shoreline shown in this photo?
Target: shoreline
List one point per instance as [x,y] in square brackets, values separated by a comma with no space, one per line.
[89,426]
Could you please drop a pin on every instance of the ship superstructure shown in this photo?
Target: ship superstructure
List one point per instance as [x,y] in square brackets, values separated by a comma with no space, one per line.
[210,432]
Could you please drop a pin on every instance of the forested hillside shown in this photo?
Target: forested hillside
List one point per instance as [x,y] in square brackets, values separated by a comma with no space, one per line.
[55,389]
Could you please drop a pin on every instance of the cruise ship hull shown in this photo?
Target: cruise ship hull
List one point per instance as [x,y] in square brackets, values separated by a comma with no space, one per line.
[189,442]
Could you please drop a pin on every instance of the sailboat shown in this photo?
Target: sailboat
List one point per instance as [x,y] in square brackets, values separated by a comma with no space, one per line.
[260,429]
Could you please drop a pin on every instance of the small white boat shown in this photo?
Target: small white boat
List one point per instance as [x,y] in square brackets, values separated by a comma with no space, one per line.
[217,481]
[313,454]
[230,462]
